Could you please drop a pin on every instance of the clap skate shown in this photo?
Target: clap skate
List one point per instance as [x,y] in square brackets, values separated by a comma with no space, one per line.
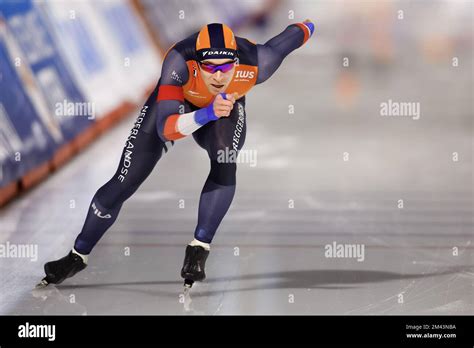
[59,270]
[194,265]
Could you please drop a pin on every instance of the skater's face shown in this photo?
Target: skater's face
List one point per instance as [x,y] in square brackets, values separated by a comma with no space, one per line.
[217,81]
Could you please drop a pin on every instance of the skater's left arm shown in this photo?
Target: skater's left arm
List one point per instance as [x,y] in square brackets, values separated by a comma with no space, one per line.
[271,54]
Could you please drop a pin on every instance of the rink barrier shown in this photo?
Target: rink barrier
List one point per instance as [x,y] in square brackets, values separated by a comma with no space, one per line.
[140,10]
[114,117]
[84,131]
[34,176]
[67,151]
[9,192]
[62,155]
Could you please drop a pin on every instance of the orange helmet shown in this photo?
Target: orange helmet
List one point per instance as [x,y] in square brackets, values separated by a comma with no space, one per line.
[215,41]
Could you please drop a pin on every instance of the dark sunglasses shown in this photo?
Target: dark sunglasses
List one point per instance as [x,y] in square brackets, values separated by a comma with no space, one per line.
[212,68]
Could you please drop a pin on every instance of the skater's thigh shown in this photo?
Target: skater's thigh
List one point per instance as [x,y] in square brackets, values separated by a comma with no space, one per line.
[139,156]
[224,135]
[142,150]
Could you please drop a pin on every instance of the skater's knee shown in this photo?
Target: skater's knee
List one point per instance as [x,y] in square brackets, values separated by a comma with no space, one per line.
[111,195]
[223,173]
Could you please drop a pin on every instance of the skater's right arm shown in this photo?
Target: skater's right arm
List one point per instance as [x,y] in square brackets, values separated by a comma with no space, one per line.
[172,123]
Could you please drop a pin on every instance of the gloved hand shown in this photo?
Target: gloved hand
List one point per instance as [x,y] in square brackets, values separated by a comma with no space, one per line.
[220,107]
[223,104]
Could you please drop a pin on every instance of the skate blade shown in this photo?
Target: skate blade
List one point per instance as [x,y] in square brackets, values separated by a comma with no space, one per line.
[188,283]
[42,284]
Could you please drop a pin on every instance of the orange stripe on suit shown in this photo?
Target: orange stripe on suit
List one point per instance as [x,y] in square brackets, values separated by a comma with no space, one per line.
[305,30]
[170,131]
[168,92]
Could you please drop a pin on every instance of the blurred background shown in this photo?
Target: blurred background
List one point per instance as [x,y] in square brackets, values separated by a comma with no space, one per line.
[335,159]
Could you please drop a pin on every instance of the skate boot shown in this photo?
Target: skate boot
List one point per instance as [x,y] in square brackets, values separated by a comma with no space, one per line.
[57,271]
[194,264]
